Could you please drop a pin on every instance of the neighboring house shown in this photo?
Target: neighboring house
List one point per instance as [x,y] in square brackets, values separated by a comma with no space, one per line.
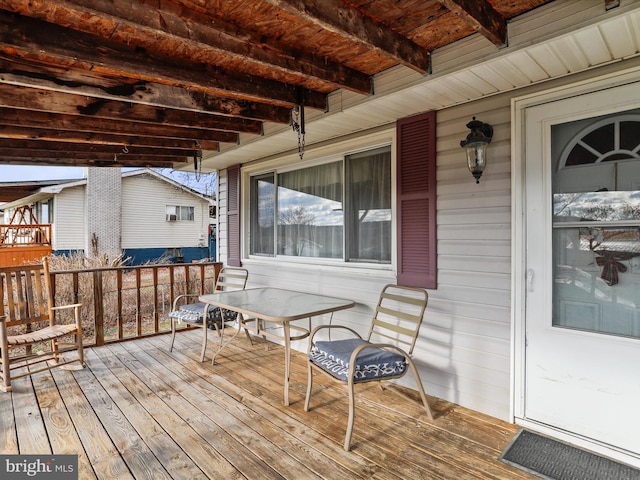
[531,318]
[138,214]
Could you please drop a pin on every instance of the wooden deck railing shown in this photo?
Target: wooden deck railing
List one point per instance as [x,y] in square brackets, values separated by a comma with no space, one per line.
[122,303]
[30,234]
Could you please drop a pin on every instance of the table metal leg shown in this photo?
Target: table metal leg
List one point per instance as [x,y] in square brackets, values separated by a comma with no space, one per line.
[223,344]
[287,361]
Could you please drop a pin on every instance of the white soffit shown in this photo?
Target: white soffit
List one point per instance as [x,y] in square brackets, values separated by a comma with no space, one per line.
[465,71]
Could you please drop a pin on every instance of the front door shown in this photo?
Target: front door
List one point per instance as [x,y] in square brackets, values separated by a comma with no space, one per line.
[582,267]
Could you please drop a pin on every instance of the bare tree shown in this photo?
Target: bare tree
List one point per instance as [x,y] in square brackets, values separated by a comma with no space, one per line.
[298,218]
[205,183]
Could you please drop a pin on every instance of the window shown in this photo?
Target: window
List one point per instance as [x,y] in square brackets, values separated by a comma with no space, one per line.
[45,211]
[596,224]
[339,210]
[180,213]
[609,139]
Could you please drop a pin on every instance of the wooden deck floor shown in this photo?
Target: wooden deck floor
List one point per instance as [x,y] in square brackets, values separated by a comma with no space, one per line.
[141,412]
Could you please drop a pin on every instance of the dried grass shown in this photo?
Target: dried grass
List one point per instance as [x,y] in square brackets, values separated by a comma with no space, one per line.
[128,311]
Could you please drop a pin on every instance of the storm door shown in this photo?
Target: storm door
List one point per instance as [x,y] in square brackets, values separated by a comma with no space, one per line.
[582,274]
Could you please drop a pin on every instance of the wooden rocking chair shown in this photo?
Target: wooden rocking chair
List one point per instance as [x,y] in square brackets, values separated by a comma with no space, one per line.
[28,324]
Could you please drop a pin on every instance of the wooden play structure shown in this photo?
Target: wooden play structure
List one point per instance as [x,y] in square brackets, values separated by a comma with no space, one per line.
[23,240]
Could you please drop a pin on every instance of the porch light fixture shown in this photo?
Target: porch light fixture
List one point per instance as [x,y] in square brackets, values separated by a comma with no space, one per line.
[476,145]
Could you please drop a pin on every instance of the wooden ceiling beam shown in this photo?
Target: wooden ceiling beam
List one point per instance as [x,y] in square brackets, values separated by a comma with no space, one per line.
[45,43]
[11,194]
[126,158]
[69,147]
[182,29]
[89,156]
[53,135]
[94,161]
[149,93]
[74,123]
[482,17]
[350,23]
[58,102]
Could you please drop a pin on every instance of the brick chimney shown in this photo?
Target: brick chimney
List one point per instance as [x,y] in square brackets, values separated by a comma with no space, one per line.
[104,213]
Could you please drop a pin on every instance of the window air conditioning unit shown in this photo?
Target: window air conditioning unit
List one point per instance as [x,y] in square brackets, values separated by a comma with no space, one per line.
[171,218]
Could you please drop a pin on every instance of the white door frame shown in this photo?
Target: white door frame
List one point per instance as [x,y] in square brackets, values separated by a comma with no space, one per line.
[518,236]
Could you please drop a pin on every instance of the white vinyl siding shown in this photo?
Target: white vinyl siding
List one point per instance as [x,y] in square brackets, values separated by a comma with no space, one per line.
[144,224]
[69,227]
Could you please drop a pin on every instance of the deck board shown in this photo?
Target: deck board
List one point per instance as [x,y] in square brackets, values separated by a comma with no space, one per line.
[58,423]
[140,411]
[242,423]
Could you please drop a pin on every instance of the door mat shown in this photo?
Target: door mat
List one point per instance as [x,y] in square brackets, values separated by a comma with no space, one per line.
[554,460]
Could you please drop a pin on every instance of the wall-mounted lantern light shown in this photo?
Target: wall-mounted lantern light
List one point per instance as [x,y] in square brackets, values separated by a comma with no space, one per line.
[476,146]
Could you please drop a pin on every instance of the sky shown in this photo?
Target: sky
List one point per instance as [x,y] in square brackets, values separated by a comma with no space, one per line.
[19,173]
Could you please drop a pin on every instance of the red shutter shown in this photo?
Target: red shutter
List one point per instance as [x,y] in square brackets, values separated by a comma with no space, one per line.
[416,201]
[233,216]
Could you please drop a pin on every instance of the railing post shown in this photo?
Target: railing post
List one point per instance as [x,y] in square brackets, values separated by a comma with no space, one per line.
[119,302]
[155,300]
[138,303]
[76,287]
[98,308]
[171,285]
[187,278]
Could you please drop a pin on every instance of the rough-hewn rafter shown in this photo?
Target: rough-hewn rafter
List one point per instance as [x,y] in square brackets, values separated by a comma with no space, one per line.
[98,138]
[46,43]
[58,102]
[160,22]
[10,194]
[92,160]
[74,123]
[482,17]
[70,147]
[88,156]
[150,93]
[336,16]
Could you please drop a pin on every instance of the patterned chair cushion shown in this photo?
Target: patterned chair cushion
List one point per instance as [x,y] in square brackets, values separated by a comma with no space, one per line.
[333,356]
[193,313]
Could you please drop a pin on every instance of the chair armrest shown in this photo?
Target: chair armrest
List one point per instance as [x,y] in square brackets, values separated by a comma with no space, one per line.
[63,307]
[180,297]
[329,327]
[76,313]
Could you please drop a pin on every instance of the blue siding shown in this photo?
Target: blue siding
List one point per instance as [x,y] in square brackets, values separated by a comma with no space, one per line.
[139,256]
[67,252]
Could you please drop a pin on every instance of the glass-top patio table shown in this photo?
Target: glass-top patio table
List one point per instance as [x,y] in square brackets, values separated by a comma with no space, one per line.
[274,305]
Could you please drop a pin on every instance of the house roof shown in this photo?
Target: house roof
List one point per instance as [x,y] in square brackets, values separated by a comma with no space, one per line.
[48,189]
[10,191]
[152,83]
